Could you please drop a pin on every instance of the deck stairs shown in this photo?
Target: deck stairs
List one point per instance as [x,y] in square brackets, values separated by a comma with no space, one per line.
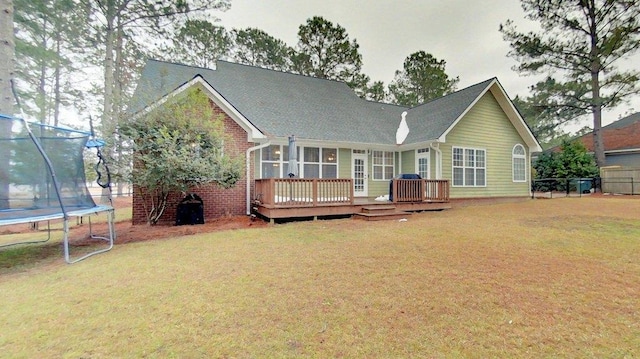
[380,213]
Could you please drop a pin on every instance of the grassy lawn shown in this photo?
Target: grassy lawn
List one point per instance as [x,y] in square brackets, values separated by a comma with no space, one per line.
[543,278]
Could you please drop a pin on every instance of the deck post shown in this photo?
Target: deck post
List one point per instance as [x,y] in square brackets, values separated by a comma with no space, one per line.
[315,192]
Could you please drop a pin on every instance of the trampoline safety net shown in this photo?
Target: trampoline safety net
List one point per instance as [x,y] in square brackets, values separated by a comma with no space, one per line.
[28,191]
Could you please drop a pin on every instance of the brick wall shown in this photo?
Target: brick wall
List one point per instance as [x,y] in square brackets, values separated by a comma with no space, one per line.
[218,202]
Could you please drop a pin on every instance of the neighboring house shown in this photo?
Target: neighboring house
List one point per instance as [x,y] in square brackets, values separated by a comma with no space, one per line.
[621,142]
[474,138]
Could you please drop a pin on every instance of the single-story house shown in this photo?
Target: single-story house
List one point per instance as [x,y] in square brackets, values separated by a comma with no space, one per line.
[621,142]
[474,139]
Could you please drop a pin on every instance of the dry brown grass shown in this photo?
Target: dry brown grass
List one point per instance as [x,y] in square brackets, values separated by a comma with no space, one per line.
[543,278]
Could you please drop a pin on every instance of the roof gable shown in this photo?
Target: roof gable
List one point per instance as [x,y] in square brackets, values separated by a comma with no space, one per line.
[269,103]
[433,119]
[277,103]
[438,117]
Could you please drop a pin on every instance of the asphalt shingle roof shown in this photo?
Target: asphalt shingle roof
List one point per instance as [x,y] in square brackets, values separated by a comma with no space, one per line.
[280,104]
[432,119]
[623,134]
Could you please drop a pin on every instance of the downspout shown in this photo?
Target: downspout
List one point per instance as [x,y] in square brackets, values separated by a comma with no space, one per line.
[438,159]
[528,174]
[249,150]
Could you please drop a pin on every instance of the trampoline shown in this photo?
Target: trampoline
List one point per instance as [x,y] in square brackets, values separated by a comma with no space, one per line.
[42,178]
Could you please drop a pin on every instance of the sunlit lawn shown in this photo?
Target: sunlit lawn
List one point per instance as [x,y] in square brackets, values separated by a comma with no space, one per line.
[543,278]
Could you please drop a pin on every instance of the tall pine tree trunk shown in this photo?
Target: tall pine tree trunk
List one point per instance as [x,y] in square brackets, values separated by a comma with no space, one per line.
[56,80]
[109,79]
[598,140]
[596,105]
[107,110]
[118,105]
[7,50]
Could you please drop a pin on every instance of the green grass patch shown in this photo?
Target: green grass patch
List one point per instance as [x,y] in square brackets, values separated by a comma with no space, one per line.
[23,256]
[554,278]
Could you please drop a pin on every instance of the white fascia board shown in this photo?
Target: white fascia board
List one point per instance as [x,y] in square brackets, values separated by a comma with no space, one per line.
[628,150]
[351,145]
[336,144]
[253,134]
[509,109]
[416,145]
[514,116]
[443,137]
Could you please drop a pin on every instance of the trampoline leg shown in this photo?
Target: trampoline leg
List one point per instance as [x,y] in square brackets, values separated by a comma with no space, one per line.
[65,239]
[31,242]
[109,239]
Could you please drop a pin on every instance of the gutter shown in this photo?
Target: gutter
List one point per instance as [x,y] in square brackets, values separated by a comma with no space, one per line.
[627,150]
[248,159]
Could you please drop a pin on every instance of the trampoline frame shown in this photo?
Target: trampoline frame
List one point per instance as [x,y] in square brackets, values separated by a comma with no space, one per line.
[64,214]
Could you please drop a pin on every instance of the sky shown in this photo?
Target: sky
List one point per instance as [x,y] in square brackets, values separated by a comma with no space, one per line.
[464,33]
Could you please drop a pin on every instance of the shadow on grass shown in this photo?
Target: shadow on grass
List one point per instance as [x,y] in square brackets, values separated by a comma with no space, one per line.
[21,257]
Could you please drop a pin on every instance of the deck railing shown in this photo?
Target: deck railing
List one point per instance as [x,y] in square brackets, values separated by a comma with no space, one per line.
[420,190]
[304,192]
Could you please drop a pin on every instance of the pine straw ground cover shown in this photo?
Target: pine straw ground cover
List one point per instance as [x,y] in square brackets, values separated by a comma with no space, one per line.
[541,278]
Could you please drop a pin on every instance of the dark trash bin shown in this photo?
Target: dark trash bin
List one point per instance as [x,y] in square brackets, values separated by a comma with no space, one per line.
[190,210]
[401,176]
[585,185]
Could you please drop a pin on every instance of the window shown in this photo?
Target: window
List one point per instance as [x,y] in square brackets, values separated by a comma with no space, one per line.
[469,167]
[329,163]
[315,162]
[519,163]
[311,162]
[271,161]
[383,164]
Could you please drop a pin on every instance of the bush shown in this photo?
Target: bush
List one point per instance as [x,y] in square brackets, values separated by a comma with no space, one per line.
[572,161]
[176,147]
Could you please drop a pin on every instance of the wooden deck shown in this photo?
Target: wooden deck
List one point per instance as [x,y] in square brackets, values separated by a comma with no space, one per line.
[279,198]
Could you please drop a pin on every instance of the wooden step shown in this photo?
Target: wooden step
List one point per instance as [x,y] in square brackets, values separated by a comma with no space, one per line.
[378,209]
[384,216]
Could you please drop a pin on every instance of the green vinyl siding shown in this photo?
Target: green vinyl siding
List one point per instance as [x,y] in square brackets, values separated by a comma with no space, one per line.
[378,188]
[344,163]
[486,127]
[408,162]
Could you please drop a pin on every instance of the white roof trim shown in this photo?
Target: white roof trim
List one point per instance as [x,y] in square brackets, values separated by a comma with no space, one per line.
[337,144]
[253,133]
[627,150]
[510,111]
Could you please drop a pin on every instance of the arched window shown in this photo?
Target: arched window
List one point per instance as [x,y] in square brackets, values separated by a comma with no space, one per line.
[519,163]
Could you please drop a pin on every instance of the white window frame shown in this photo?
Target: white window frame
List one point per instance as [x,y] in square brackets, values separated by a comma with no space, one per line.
[281,162]
[515,159]
[321,163]
[475,168]
[383,165]
[423,153]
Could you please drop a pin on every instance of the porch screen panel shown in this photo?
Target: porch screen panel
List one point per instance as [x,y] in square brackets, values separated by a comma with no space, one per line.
[329,163]
[311,162]
[271,161]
